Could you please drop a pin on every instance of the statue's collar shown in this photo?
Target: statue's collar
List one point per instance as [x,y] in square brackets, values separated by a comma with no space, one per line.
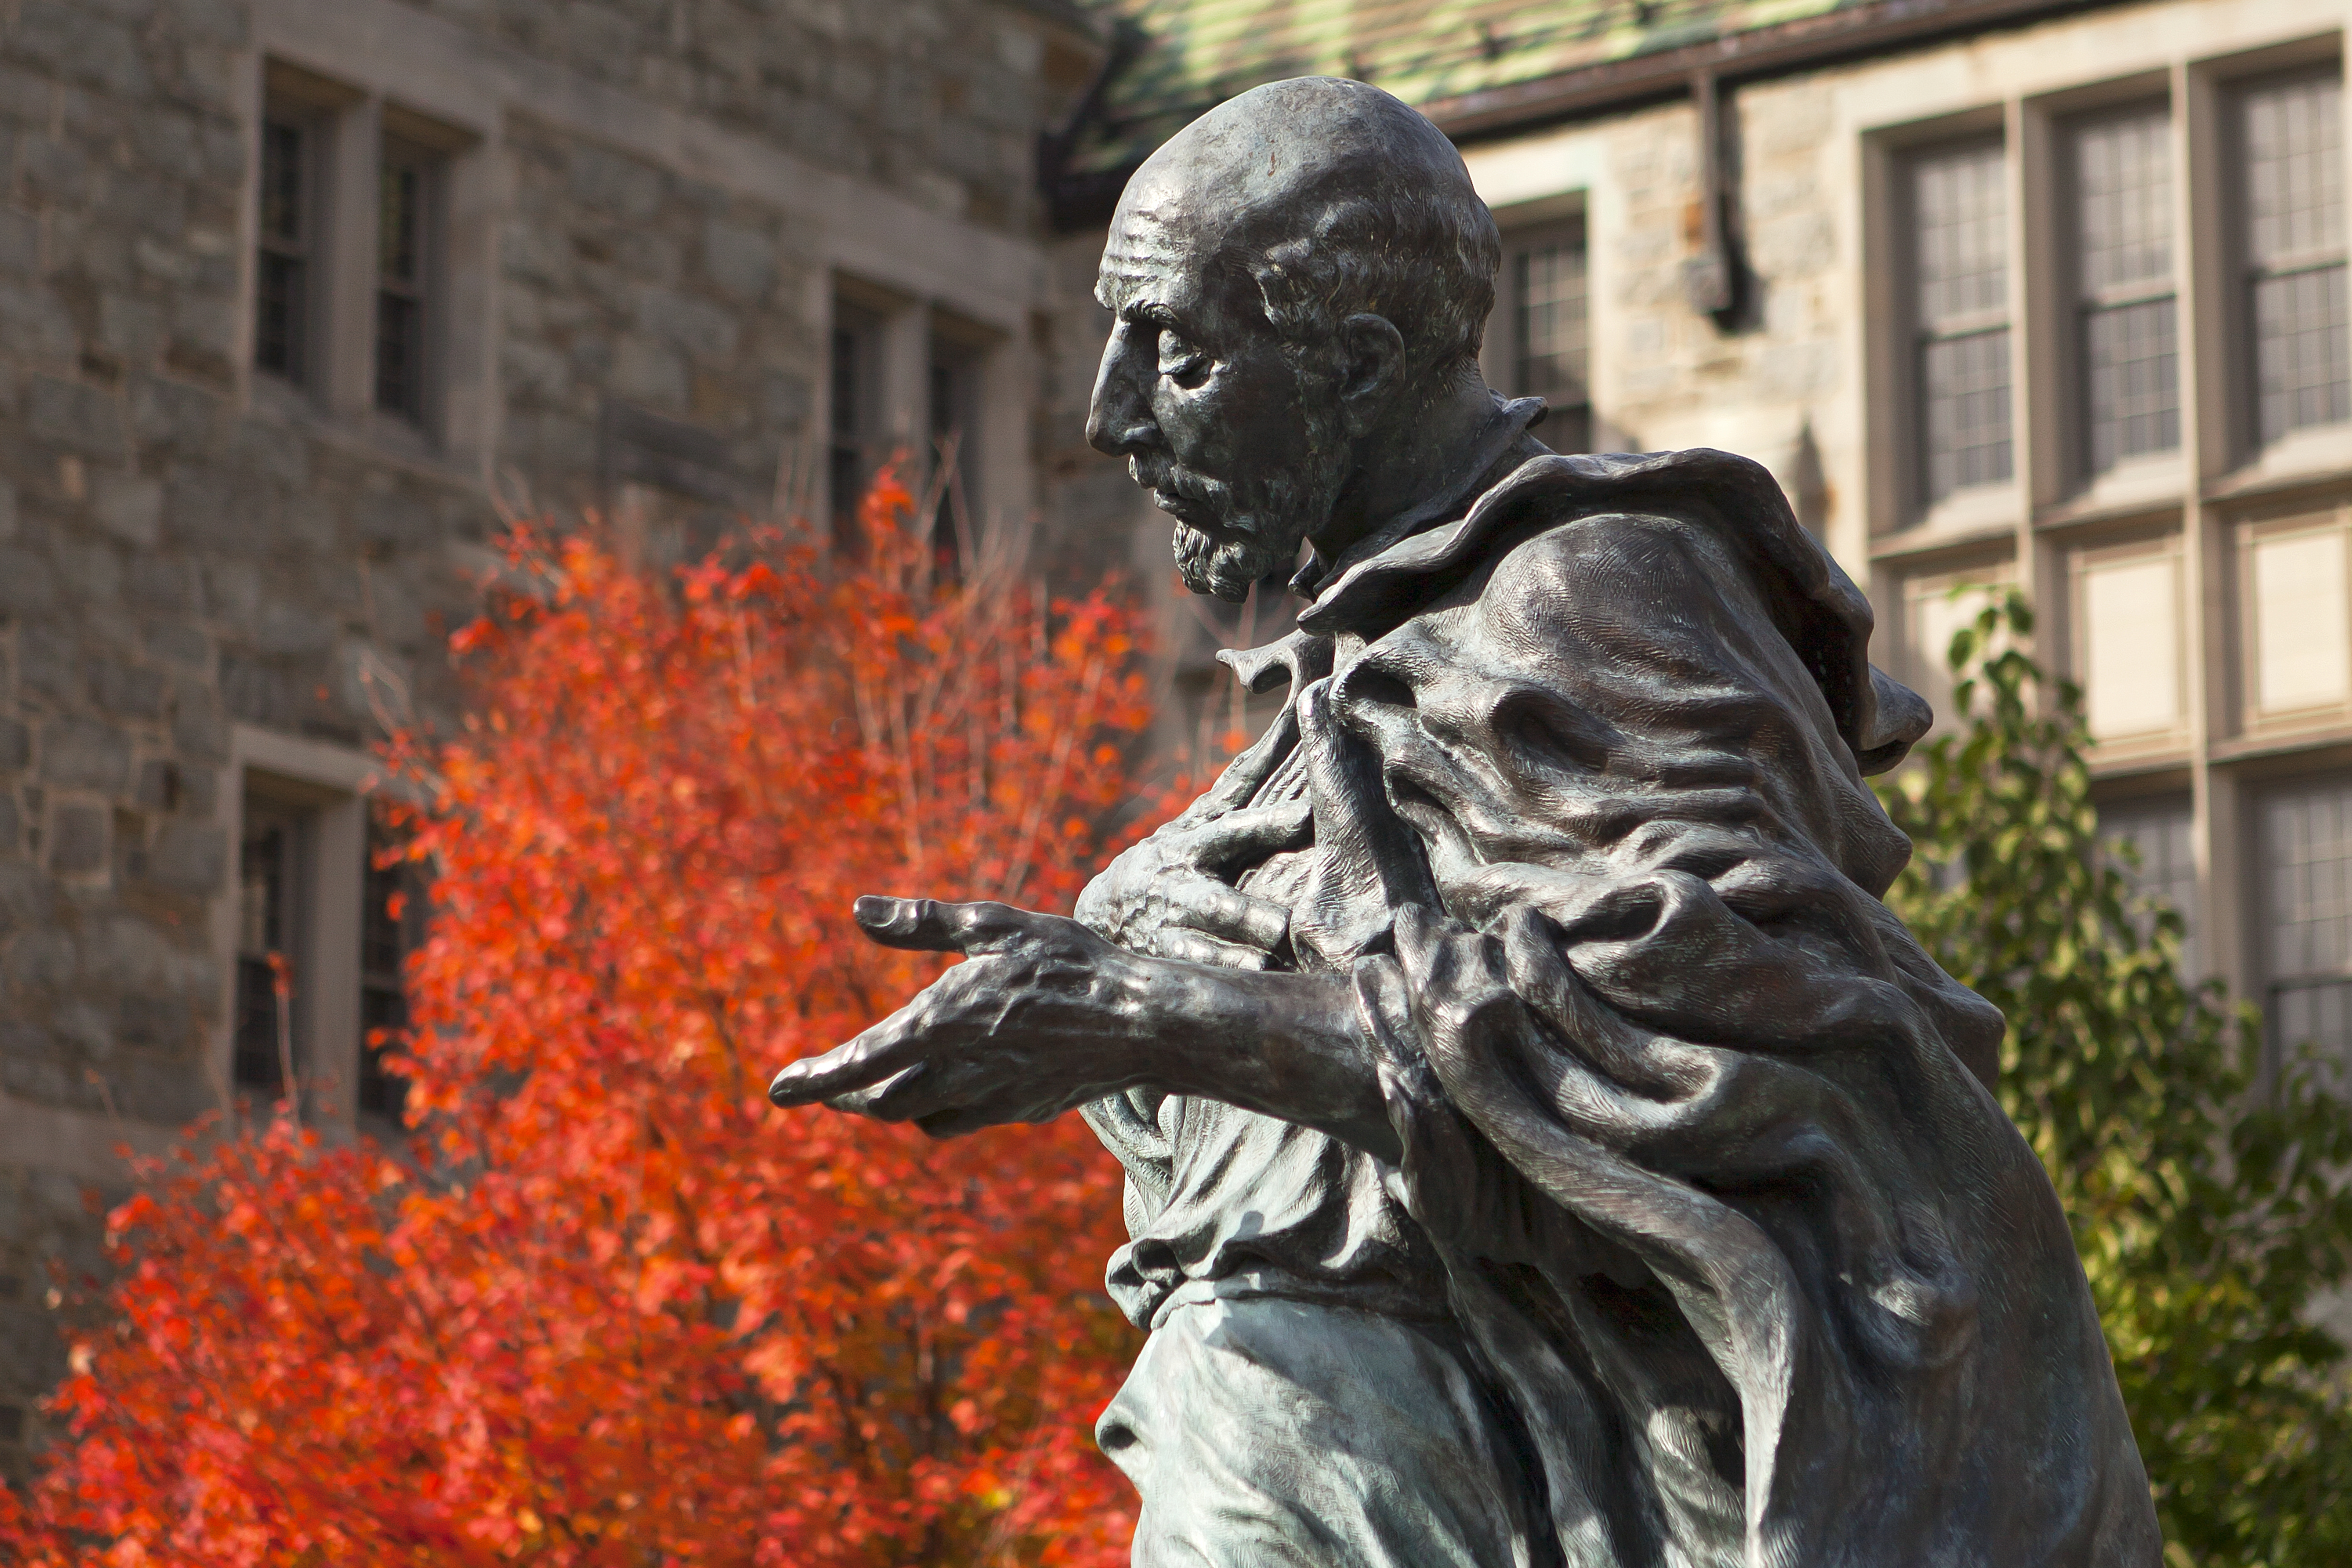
[1504,429]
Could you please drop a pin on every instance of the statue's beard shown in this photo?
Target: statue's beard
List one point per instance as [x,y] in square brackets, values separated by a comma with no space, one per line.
[1253,530]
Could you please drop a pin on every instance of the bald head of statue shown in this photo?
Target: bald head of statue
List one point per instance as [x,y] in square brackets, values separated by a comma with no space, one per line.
[1300,281]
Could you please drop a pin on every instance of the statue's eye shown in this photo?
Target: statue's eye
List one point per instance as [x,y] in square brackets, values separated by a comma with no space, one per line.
[1180,360]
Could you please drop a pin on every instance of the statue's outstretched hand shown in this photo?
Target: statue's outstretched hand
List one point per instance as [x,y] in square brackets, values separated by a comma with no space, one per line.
[1043,1016]
[1165,896]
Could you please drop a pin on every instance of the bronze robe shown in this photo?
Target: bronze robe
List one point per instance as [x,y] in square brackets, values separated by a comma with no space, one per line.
[1699,1135]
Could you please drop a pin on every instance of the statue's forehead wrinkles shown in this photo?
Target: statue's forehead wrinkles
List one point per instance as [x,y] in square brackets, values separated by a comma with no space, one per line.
[1144,264]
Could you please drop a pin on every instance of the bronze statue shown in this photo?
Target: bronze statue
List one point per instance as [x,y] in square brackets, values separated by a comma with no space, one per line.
[1544,1148]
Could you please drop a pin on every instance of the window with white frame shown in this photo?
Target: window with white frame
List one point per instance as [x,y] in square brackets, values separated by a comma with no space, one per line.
[2291,140]
[1958,209]
[1546,315]
[2127,338]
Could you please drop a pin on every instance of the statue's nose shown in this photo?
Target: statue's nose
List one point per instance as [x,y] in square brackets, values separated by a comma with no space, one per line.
[1119,416]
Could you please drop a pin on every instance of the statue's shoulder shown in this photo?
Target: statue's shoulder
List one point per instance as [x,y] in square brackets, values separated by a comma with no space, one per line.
[1701,486]
[1645,521]
[1705,488]
[1560,530]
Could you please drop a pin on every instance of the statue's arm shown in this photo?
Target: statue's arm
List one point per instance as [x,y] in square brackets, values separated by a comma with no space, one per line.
[1045,1015]
[1286,1045]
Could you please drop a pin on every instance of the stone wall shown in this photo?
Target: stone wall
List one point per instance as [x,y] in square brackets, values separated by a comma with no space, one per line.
[939,99]
[624,279]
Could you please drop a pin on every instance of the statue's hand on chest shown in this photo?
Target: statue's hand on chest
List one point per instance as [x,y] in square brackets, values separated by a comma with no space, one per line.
[1172,895]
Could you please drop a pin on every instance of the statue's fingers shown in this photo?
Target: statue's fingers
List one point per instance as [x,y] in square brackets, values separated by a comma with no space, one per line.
[1195,947]
[1204,903]
[928,925]
[889,1047]
[1253,831]
[923,1092]
[884,1101]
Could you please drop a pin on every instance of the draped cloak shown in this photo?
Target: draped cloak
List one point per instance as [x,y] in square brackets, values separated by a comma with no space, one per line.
[1699,1136]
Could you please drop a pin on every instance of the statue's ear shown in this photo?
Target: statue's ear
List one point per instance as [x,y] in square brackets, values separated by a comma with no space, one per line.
[1372,369]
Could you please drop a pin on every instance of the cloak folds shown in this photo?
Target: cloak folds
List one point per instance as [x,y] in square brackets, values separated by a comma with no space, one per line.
[1700,1134]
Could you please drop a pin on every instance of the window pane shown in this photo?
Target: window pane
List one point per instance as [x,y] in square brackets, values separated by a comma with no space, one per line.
[1548,287]
[2123,187]
[399,225]
[384,1013]
[2308,846]
[2318,1013]
[267,876]
[848,385]
[2122,172]
[1964,385]
[2134,369]
[2162,833]
[281,183]
[2307,946]
[400,355]
[2131,644]
[280,271]
[2292,130]
[390,926]
[1961,206]
[845,453]
[402,267]
[2302,350]
[955,402]
[277,316]
[2302,621]
[2294,172]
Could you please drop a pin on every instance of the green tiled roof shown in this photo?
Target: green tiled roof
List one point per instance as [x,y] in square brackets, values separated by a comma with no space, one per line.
[1196,53]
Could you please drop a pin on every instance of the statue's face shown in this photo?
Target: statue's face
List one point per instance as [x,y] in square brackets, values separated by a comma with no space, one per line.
[1236,436]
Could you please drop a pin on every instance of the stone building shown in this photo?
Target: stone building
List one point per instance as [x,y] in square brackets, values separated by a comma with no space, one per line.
[2004,292]
[294,296]
[297,296]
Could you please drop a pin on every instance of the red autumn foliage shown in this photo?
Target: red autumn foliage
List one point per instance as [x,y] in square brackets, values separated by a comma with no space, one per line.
[610,1308]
